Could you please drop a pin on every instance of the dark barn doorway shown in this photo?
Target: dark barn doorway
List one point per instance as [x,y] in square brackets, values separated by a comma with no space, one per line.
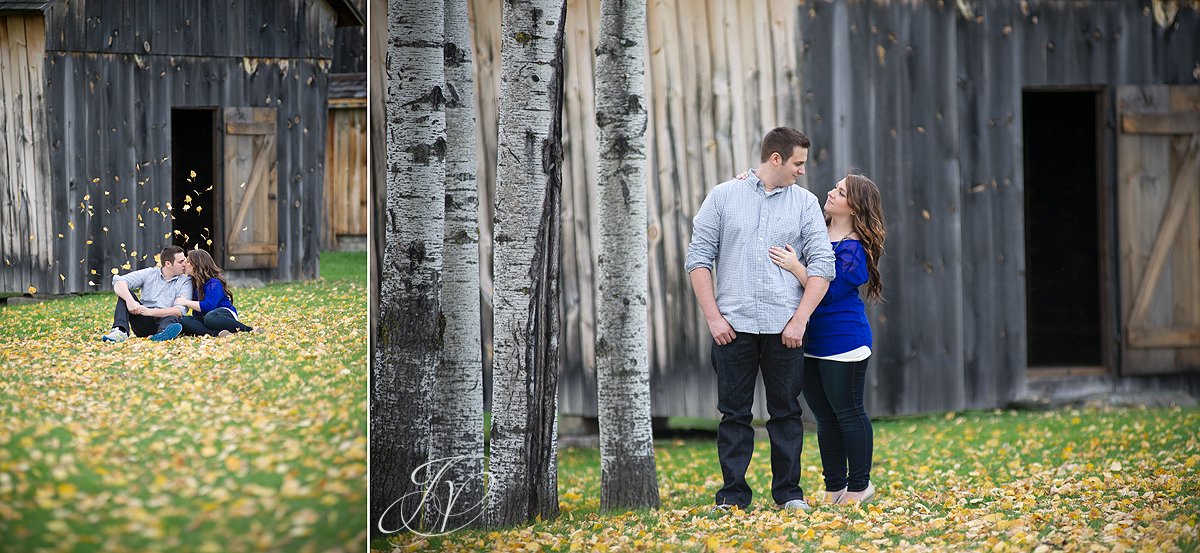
[195,186]
[1063,255]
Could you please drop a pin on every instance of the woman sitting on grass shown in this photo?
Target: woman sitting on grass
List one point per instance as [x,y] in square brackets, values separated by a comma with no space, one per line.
[213,313]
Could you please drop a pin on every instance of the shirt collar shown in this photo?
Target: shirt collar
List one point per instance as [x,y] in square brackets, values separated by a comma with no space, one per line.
[172,279]
[756,182]
[759,186]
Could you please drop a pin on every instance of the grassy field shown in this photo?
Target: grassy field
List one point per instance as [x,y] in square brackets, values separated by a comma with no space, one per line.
[1074,480]
[251,442]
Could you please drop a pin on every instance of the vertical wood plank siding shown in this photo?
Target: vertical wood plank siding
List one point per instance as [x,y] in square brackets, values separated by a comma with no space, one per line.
[928,102]
[706,117]
[346,173]
[923,96]
[113,73]
[27,232]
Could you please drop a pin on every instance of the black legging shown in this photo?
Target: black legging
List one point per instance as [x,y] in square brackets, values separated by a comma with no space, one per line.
[212,323]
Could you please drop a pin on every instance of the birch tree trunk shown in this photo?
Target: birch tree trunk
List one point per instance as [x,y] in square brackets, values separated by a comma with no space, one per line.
[528,239]
[628,479]
[410,315]
[458,396]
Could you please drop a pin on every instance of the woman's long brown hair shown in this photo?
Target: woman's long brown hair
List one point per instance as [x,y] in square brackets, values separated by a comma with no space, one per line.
[204,268]
[867,220]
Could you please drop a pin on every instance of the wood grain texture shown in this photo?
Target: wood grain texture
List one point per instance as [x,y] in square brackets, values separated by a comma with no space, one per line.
[107,114]
[924,101]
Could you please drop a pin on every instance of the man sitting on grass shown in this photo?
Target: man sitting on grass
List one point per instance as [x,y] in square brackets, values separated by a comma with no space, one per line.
[156,315]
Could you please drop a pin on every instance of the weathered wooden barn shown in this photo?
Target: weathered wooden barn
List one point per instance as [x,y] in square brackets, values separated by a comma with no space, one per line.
[1039,168]
[346,163]
[131,124]
[346,188]
[1037,161]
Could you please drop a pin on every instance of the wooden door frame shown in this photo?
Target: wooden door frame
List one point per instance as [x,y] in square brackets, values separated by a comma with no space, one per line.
[1110,269]
[1109,307]
[218,150]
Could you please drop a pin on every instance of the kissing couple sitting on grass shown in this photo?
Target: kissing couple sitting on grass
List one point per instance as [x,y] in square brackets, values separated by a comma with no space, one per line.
[167,293]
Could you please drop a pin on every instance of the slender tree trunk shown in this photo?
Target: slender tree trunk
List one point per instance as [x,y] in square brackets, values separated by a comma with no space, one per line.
[628,478]
[410,325]
[458,396]
[528,239]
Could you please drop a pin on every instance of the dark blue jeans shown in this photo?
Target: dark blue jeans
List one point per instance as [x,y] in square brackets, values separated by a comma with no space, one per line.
[140,325]
[737,365]
[834,391]
[212,324]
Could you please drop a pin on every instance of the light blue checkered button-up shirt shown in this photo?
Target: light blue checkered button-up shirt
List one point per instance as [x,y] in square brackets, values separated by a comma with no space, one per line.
[156,291]
[734,228]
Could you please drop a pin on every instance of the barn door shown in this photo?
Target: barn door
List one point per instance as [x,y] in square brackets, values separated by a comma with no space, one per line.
[251,212]
[1158,199]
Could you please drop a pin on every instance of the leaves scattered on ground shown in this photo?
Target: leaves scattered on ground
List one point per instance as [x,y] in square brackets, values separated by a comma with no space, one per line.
[251,442]
[1118,480]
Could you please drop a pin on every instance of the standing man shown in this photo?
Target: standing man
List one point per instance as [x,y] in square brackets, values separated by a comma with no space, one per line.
[758,316]
[156,315]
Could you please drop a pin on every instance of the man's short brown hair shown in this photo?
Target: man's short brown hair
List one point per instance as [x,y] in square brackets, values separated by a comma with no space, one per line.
[167,255]
[783,141]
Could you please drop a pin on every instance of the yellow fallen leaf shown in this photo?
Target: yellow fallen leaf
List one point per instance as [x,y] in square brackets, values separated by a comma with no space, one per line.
[32,290]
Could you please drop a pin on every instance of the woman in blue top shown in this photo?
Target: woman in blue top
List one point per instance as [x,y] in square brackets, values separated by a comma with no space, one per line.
[213,313]
[838,342]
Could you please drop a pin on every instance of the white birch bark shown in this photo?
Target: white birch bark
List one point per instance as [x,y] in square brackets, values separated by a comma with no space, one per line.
[458,396]
[527,237]
[408,348]
[628,478]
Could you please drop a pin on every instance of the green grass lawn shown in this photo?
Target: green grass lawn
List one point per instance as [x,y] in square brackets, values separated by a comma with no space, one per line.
[982,481]
[251,442]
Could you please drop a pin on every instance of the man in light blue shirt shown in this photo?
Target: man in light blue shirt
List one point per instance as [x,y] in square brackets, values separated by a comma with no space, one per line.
[156,315]
[759,313]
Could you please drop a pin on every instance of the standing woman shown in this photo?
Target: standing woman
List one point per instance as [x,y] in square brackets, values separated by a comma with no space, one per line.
[213,313]
[838,343]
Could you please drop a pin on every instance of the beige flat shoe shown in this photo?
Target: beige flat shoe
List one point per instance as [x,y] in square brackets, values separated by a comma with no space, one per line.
[832,498]
[858,498]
